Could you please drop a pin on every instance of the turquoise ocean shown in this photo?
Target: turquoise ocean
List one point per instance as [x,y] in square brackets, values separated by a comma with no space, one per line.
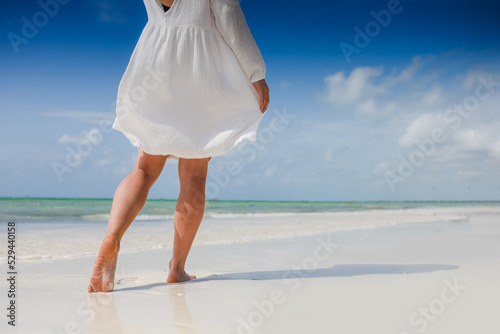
[81,209]
[49,228]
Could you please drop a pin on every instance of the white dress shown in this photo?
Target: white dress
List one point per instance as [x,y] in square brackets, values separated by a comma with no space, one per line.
[188,89]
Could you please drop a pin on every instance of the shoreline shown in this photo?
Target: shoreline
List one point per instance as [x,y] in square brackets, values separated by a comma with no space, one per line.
[41,241]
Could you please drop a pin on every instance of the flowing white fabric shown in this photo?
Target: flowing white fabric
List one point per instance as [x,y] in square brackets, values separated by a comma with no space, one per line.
[188,89]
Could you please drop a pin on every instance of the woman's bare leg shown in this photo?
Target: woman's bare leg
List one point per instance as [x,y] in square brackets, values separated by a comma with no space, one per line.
[129,199]
[188,214]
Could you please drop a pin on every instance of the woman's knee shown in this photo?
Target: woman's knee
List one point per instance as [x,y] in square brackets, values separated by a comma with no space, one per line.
[191,201]
[193,187]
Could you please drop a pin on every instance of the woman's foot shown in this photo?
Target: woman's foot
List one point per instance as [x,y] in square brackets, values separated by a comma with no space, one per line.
[103,274]
[176,275]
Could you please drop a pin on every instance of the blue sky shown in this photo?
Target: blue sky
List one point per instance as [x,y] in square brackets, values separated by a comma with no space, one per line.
[408,116]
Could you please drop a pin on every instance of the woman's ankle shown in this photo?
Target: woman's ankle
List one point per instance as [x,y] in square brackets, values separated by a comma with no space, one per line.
[176,265]
[112,239]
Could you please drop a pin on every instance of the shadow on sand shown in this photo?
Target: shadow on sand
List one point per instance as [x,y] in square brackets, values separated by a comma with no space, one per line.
[340,270]
[107,321]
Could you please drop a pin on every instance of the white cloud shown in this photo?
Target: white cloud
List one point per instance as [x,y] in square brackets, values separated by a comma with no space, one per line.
[328,155]
[92,137]
[342,90]
[109,11]
[473,140]
[427,84]
[125,165]
[90,117]
[421,128]
[66,139]
[367,90]
[483,138]
[270,171]
[371,108]
[407,73]
[104,162]
[417,98]
[433,97]
[495,150]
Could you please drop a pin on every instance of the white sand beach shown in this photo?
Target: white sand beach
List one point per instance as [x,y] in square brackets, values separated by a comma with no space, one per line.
[430,276]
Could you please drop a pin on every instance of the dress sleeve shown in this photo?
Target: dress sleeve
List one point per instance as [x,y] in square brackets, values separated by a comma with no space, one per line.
[231,23]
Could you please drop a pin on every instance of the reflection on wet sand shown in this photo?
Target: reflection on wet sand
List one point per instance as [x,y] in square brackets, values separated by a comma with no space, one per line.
[183,321]
[105,317]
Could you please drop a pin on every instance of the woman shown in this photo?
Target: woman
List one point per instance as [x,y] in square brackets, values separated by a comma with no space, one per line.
[194,88]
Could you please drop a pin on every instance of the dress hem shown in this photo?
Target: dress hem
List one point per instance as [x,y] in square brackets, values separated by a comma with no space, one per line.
[250,136]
